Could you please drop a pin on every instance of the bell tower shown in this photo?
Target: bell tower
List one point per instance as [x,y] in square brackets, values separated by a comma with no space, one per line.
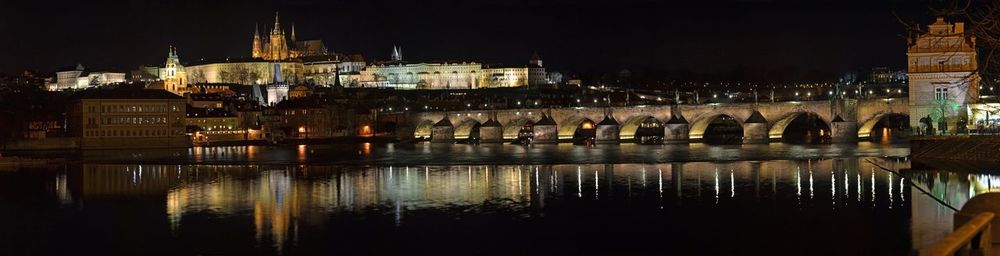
[173,74]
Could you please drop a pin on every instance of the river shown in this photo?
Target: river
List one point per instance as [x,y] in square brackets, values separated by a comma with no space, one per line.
[481,200]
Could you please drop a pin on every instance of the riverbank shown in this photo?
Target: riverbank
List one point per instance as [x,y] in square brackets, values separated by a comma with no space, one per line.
[13,162]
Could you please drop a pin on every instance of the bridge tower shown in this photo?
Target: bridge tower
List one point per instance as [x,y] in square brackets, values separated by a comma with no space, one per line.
[943,75]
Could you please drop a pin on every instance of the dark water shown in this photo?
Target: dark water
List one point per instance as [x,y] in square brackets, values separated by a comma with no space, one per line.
[819,200]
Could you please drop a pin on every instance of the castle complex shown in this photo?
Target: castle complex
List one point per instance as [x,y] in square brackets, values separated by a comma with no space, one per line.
[278,60]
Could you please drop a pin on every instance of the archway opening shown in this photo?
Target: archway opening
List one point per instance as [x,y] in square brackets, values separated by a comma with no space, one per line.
[649,132]
[891,128]
[423,130]
[585,133]
[806,128]
[723,130]
[466,130]
[387,128]
[473,137]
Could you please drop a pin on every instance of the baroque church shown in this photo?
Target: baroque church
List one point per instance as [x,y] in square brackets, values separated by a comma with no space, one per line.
[275,47]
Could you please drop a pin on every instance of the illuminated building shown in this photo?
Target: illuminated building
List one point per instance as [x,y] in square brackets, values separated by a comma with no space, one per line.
[465,75]
[450,75]
[128,118]
[244,71]
[275,47]
[215,125]
[173,75]
[76,78]
[942,74]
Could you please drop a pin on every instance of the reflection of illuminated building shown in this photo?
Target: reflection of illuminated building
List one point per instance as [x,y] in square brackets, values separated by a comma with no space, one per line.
[278,200]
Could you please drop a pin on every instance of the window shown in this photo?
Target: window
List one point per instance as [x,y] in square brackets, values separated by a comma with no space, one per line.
[941,93]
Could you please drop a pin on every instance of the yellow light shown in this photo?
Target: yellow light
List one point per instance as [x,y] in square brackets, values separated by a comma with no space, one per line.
[588,125]
[302,129]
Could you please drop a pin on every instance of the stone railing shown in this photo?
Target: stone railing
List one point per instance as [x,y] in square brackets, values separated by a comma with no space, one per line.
[972,238]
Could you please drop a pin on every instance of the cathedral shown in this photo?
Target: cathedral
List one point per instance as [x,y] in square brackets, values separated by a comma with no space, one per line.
[275,47]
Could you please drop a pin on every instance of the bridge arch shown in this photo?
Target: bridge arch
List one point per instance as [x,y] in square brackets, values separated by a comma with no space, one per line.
[700,124]
[866,128]
[511,128]
[423,129]
[778,129]
[569,127]
[631,126]
[467,128]
[718,128]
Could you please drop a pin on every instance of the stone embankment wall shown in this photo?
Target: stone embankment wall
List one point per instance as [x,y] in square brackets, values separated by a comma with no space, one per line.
[956,148]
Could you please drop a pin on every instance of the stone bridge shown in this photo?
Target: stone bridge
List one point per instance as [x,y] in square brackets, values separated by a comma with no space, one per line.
[681,124]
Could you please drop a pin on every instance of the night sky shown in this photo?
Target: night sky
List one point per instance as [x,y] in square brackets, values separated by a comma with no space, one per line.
[576,37]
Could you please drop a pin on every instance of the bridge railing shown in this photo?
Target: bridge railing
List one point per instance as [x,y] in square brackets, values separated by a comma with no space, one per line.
[973,238]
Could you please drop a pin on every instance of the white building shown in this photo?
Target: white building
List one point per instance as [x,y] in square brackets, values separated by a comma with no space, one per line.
[942,74]
[77,78]
[450,75]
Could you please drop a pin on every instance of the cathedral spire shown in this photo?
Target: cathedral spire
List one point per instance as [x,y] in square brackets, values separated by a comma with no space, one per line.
[293,32]
[277,26]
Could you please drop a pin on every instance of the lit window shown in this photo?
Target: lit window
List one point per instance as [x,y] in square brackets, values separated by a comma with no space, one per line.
[941,93]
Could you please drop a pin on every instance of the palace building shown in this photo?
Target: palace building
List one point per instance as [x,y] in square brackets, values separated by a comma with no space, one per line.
[451,75]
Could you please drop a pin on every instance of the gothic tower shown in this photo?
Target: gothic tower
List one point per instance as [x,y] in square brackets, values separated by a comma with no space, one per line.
[258,44]
[278,46]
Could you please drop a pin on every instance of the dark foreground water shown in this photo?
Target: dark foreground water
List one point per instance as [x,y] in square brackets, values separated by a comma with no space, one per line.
[818,200]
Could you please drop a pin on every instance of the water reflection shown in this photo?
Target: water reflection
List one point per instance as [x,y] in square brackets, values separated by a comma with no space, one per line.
[284,204]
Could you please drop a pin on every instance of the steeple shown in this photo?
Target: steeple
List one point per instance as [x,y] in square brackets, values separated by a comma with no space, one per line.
[293,32]
[277,26]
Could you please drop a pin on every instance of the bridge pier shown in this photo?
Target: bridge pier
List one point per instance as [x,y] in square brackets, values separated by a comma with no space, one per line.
[755,130]
[676,130]
[443,131]
[545,131]
[608,131]
[843,131]
[491,132]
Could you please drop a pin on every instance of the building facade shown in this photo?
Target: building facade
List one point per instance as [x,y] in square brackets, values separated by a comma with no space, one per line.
[76,78]
[450,75]
[173,75]
[943,80]
[128,118]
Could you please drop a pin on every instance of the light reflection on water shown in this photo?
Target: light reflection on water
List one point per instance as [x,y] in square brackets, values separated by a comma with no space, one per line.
[280,202]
